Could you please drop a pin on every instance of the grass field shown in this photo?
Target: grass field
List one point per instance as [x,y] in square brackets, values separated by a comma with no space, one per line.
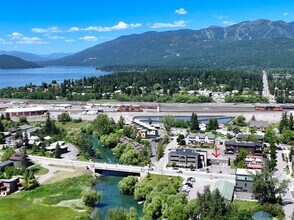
[71,125]
[39,170]
[61,200]
[62,175]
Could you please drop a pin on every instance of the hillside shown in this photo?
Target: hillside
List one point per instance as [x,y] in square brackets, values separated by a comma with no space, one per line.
[260,43]
[34,57]
[11,62]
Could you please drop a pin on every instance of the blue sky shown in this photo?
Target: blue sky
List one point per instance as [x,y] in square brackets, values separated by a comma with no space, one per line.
[43,26]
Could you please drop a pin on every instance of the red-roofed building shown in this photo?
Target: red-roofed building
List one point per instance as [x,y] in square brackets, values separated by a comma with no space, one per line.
[254,162]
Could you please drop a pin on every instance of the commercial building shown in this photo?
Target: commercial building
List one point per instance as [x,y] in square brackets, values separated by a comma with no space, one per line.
[244,180]
[254,162]
[186,157]
[32,111]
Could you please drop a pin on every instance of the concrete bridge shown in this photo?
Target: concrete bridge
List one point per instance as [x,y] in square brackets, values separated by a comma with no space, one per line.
[93,166]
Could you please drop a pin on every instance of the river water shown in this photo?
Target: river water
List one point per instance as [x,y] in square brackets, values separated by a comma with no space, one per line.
[107,184]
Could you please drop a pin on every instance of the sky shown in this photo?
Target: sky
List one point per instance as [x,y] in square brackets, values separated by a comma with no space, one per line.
[51,26]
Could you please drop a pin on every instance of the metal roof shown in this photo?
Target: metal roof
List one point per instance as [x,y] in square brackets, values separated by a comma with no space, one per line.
[225,188]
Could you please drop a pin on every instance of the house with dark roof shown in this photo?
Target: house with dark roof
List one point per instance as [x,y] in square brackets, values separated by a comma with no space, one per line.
[8,186]
[128,141]
[259,125]
[5,164]
[234,147]
[243,137]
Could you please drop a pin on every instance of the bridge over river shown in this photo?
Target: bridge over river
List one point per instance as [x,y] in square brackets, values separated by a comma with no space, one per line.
[129,169]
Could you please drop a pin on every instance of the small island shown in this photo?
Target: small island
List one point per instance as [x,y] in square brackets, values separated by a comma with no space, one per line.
[12,62]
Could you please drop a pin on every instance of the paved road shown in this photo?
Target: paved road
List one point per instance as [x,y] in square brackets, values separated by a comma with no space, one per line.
[266,91]
[281,175]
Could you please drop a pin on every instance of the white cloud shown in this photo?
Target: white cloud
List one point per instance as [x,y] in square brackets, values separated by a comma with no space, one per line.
[286,13]
[2,41]
[15,35]
[220,17]
[228,23]
[46,30]
[69,40]
[89,38]
[120,26]
[175,24]
[56,37]
[31,40]
[181,11]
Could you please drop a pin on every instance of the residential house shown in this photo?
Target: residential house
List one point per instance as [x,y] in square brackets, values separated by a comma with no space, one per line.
[234,147]
[5,164]
[34,140]
[128,141]
[8,186]
[200,138]
[63,146]
[259,125]
[243,137]
[17,159]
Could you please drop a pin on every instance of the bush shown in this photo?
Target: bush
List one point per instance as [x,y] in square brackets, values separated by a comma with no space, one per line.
[92,197]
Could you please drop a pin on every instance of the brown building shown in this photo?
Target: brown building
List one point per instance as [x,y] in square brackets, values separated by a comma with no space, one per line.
[8,186]
[234,147]
[32,111]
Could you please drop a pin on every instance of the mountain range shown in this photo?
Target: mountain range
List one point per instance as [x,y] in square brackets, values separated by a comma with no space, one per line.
[12,62]
[35,57]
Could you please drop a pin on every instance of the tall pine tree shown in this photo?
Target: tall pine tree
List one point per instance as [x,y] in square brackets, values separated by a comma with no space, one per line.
[194,124]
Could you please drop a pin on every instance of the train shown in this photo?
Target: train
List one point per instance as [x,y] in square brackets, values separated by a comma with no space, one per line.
[273,107]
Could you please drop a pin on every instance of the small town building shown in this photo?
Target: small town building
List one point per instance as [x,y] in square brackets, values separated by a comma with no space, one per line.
[244,180]
[254,162]
[5,164]
[200,138]
[244,137]
[148,133]
[32,131]
[259,125]
[186,157]
[17,159]
[61,144]
[34,140]
[128,141]
[226,189]
[234,147]
[8,186]
[32,111]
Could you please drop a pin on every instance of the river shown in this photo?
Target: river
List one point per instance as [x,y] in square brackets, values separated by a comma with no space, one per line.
[22,77]
[107,184]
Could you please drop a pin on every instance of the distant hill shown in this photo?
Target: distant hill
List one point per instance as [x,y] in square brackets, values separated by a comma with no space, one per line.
[35,57]
[260,43]
[12,62]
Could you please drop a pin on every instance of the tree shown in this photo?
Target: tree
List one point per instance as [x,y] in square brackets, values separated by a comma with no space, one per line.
[1,126]
[29,180]
[132,215]
[212,124]
[2,139]
[64,117]
[91,197]
[22,120]
[120,123]
[7,153]
[239,162]
[57,152]
[284,122]
[150,121]
[127,184]
[160,150]
[240,120]
[168,122]
[270,135]
[273,154]
[291,122]
[267,188]
[181,139]
[109,141]
[253,118]
[116,214]
[252,138]
[194,123]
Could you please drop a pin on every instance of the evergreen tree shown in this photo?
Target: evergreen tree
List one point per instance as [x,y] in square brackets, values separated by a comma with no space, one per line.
[273,154]
[291,122]
[150,121]
[1,126]
[194,125]
[57,153]
[284,122]
[212,124]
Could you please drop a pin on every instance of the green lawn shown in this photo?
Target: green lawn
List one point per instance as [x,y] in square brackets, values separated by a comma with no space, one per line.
[61,200]
[39,170]
[71,125]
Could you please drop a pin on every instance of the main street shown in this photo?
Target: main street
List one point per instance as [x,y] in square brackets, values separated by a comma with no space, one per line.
[266,92]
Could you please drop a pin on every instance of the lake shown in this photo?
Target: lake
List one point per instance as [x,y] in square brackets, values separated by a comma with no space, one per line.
[22,77]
